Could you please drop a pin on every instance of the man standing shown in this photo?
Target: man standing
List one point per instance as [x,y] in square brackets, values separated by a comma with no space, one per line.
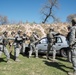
[18,45]
[33,41]
[24,37]
[73,46]
[11,41]
[69,49]
[51,42]
[3,43]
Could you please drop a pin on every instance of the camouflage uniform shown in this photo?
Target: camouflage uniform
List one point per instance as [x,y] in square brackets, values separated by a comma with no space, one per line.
[51,41]
[3,48]
[72,43]
[11,42]
[17,45]
[23,44]
[69,49]
[33,41]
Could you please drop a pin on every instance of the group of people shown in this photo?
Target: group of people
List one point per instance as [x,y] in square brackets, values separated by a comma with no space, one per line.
[18,41]
[19,44]
[71,37]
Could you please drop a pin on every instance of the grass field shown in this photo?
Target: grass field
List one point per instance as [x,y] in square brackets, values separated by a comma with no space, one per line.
[34,66]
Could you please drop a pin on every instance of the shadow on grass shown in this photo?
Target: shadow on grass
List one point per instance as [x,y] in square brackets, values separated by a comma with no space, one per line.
[42,56]
[12,56]
[57,65]
[25,55]
[2,60]
[62,59]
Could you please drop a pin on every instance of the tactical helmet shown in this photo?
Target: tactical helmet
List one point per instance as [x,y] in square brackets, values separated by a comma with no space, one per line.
[5,32]
[69,27]
[19,32]
[51,29]
[24,34]
[12,32]
[74,20]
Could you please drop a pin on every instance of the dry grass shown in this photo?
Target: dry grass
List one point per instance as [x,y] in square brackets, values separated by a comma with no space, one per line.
[41,29]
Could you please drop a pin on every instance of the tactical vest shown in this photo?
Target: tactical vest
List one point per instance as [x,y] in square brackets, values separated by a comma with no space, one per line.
[74,28]
[18,39]
[32,39]
[3,40]
[50,37]
[72,40]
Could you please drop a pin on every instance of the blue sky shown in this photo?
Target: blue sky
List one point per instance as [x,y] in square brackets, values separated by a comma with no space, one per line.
[29,10]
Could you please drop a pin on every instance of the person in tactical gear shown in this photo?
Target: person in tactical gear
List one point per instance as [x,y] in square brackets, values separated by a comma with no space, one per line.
[51,42]
[18,45]
[33,41]
[3,43]
[69,49]
[72,43]
[11,41]
[24,37]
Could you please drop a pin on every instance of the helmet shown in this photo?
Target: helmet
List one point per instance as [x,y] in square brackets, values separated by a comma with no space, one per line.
[51,29]
[69,27]
[12,32]
[24,34]
[5,32]
[74,20]
[19,32]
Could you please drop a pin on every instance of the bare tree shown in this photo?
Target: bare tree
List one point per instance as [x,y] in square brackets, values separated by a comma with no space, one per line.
[70,17]
[47,10]
[3,20]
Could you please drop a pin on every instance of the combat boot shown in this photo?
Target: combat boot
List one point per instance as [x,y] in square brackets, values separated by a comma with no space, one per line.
[36,57]
[17,60]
